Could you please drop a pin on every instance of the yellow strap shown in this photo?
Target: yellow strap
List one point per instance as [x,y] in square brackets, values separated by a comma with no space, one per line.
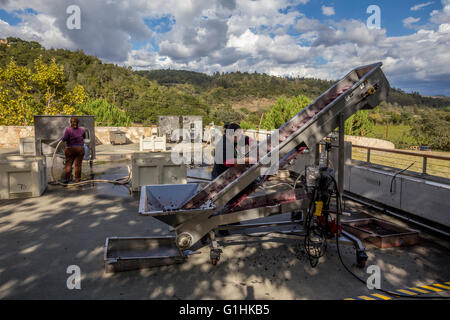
[381,296]
[419,290]
[407,292]
[441,286]
[431,288]
[366,298]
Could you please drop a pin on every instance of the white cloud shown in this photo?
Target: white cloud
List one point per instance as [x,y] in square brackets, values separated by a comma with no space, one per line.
[328,11]
[420,6]
[245,35]
[408,22]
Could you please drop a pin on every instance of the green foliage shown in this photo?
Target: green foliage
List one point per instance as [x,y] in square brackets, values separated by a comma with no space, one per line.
[58,81]
[226,115]
[432,129]
[359,124]
[174,77]
[245,125]
[15,96]
[283,111]
[400,135]
[105,113]
[25,92]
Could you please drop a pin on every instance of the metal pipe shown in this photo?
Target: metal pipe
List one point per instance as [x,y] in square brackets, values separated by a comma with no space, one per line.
[341,154]
[424,166]
[417,154]
[259,225]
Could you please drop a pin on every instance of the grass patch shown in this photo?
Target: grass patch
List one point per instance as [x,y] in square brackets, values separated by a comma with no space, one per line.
[435,167]
[397,134]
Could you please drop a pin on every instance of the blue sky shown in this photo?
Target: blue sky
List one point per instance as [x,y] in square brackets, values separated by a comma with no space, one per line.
[392,12]
[306,38]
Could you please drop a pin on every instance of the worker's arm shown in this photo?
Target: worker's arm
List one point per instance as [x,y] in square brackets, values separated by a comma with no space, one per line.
[65,138]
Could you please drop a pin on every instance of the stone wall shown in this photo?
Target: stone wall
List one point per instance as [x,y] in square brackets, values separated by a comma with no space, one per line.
[132,133]
[370,142]
[10,136]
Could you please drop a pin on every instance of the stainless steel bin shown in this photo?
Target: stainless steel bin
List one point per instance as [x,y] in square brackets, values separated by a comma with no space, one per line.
[122,254]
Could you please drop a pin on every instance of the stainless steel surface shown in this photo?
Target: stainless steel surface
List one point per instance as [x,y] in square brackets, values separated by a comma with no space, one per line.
[122,254]
[152,168]
[309,126]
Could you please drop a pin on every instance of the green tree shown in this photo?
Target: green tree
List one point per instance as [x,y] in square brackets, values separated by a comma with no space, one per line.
[49,79]
[359,124]
[105,114]
[283,110]
[15,98]
[432,129]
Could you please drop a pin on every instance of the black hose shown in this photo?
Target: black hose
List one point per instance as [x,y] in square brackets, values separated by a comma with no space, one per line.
[338,212]
[395,175]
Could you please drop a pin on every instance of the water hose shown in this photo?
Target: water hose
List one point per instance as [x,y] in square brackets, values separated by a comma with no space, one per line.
[118,181]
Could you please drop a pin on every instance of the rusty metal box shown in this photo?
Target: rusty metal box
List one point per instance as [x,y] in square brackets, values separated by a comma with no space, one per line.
[381,233]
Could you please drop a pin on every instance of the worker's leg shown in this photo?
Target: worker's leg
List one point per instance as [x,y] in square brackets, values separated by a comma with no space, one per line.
[69,161]
[79,154]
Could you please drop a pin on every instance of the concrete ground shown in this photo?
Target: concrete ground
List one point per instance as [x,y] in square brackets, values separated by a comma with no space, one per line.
[41,237]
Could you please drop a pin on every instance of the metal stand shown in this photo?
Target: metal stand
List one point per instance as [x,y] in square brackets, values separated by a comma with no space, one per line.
[296,233]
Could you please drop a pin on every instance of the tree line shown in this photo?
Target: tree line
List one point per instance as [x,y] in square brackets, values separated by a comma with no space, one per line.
[35,80]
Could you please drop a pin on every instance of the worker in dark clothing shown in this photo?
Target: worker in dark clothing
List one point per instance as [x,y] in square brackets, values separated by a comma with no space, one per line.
[234,139]
[74,138]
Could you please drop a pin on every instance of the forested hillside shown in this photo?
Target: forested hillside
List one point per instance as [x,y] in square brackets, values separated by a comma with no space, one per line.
[34,80]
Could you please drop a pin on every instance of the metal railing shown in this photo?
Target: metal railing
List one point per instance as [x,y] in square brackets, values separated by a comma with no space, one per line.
[425,163]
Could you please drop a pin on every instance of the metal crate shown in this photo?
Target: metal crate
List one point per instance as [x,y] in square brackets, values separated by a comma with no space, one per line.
[117,137]
[155,168]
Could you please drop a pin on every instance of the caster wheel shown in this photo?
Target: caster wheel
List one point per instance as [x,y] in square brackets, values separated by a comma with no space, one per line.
[361,264]
[361,259]
[214,261]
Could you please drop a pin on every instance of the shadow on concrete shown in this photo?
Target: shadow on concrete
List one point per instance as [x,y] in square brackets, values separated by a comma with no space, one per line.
[41,237]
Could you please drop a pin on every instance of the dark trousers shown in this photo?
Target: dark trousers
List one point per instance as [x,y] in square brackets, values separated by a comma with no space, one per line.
[74,154]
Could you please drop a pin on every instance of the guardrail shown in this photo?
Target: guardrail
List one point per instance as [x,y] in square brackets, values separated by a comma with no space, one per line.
[421,162]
